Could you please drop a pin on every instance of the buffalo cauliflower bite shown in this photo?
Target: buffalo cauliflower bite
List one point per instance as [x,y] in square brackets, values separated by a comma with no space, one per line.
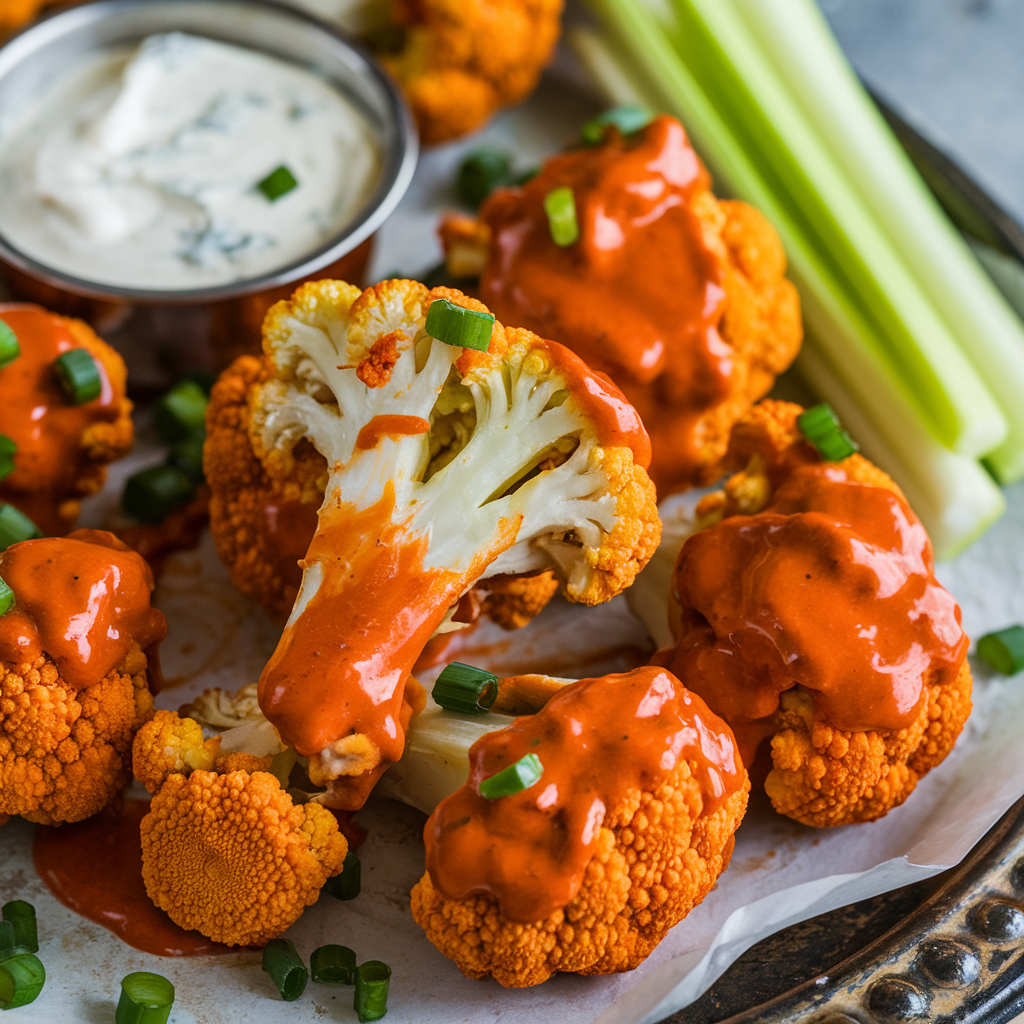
[62,449]
[585,870]
[230,855]
[679,297]
[846,657]
[447,466]
[15,13]
[66,727]
[463,60]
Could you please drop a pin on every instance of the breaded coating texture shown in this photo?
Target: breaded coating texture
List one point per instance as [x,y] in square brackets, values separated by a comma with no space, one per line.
[168,745]
[513,601]
[231,857]
[64,755]
[463,60]
[656,859]
[822,775]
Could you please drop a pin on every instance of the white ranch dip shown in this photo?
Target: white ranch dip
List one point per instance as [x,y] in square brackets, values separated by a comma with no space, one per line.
[141,170]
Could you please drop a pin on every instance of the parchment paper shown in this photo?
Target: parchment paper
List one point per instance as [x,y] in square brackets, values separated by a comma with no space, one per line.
[781,872]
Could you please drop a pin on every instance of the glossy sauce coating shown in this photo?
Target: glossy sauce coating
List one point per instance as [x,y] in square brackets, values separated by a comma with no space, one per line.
[830,587]
[341,666]
[94,867]
[598,739]
[394,427]
[639,296]
[40,418]
[82,599]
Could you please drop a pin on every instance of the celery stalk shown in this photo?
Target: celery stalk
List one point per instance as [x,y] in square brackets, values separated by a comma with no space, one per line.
[610,70]
[725,59]
[799,43]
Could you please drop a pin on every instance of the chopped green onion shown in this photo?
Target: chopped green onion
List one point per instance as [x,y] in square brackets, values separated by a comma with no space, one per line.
[187,455]
[6,604]
[8,940]
[15,527]
[146,998]
[277,183]
[152,494]
[8,449]
[456,325]
[21,980]
[627,119]
[466,689]
[9,347]
[525,773]
[346,886]
[480,174]
[371,999]
[79,375]
[181,411]
[1004,650]
[285,967]
[22,916]
[821,427]
[560,206]
[333,965]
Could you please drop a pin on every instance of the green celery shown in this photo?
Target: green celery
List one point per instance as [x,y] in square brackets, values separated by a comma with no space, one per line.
[797,40]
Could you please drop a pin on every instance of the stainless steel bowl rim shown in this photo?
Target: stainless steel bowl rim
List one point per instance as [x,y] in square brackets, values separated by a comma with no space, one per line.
[399,164]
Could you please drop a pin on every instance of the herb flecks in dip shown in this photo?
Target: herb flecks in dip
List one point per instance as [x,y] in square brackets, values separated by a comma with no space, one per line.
[142,169]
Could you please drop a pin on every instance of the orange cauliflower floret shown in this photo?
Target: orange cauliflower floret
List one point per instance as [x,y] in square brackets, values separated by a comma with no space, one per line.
[820,774]
[231,856]
[168,745]
[664,833]
[463,60]
[683,303]
[62,454]
[65,754]
[15,13]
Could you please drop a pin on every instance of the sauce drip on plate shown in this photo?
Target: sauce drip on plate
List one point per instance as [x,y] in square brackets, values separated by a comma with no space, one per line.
[82,599]
[94,867]
[830,587]
[597,739]
[639,296]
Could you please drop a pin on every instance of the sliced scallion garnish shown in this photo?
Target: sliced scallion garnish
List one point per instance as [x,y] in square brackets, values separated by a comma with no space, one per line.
[560,206]
[333,965]
[8,449]
[8,940]
[79,375]
[458,326]
[181,411]
[1004,650]
[152,494]
[9,347]
[277,183]
[146,998]
[187,455]
[346,886]
[6,604]
[480,174]
[465,689]
[525,773]
[15,527]
[628,118]
[372,981]
[22,917]
[821,427]
[21,980]
[285,967]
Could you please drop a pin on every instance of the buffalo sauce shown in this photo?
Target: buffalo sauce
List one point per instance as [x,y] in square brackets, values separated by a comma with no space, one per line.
[94,868]
[82,599]
[830,587]
[598,740]
[341,665]
[39,417]
[639,296]
[392,427]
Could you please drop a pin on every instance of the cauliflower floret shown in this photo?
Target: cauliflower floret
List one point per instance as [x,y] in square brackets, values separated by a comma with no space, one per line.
[654,837]
[168,745]
[62,455]
[463,60]
[66,753]
[448,466]
[820,774]
[513,601]
[231,856]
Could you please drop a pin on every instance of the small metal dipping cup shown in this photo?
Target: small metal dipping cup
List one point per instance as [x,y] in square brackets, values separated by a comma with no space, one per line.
[184,328]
